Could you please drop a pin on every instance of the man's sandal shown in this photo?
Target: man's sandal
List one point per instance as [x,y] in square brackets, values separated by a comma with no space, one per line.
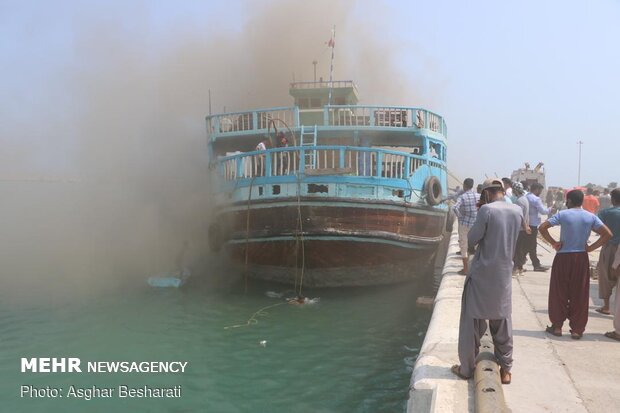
[505,376]
[551,330]
[456,369]
[613,335]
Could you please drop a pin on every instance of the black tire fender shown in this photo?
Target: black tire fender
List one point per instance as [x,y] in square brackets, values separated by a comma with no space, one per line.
[432,188]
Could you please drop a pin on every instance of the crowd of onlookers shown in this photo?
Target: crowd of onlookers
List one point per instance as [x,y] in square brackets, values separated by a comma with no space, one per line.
[593,201]
[498,226]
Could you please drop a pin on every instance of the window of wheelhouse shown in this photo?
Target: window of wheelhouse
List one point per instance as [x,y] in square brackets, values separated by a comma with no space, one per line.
[303,103]
[308,103]
[436,150]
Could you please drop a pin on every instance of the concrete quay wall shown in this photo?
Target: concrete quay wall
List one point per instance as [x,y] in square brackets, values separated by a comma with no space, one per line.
[433,387]
[550,374]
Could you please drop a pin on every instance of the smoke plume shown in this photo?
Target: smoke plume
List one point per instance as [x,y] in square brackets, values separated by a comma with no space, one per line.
[122,117]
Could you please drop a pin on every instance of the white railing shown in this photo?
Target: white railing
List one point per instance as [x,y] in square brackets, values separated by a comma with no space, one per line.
[284,162]
[414,164]
[434,122]
[383,116]
[324,159]
[260,121]
[252,121]
[229,167]
[342,160]
[323,84]
[361,163]
[393,166]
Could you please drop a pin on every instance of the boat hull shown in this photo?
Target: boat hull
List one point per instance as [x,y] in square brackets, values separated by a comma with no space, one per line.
[337,244]
[331,262]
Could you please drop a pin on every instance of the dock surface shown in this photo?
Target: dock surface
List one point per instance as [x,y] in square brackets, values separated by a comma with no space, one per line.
[550,374]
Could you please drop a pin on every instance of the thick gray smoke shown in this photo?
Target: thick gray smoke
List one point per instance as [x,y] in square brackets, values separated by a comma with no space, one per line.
[125,119]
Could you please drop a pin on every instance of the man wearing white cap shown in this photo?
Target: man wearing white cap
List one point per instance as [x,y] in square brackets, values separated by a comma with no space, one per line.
[487,294]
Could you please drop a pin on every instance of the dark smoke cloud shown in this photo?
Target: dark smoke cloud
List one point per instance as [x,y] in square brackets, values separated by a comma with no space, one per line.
[125,118]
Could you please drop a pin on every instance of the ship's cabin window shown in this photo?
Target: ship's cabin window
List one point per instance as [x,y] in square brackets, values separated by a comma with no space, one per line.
[339,100]
[408,144]
[308,103]
[436,150]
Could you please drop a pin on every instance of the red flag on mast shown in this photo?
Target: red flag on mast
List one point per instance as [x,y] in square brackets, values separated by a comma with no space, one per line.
[331,42]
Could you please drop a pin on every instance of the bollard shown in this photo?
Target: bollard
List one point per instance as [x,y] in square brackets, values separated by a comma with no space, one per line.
[489,395]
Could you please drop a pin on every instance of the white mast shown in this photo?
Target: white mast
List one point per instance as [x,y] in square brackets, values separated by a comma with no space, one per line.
[331,43]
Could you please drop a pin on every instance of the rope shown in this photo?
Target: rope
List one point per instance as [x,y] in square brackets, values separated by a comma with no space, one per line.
[247,237]
[253,319]
[290,131]
[300,235]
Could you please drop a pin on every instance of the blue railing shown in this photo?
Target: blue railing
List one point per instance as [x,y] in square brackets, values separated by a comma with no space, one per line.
[349,116]
[323,160]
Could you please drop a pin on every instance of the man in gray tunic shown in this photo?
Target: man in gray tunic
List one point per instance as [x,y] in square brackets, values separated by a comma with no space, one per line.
[487,294]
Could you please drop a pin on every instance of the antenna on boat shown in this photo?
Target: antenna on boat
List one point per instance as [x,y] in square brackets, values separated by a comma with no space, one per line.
[209,102]
[331,43]
[314,62]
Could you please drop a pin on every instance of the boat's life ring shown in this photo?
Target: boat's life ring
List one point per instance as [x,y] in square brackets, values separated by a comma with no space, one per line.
[215,237]
[432,187]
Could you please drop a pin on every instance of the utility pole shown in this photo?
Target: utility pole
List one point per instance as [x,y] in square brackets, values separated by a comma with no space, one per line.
[314,62]
[580,143]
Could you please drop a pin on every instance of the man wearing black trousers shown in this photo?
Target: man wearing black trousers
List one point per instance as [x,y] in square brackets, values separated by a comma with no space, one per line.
[536,209]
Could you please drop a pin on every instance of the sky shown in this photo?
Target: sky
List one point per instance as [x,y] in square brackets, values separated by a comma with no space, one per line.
[516,81]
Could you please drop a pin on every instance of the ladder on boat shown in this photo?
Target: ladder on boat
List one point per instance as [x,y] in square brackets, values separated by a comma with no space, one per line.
[308,138]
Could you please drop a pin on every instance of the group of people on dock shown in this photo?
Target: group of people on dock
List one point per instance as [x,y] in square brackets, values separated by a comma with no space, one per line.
[498,226]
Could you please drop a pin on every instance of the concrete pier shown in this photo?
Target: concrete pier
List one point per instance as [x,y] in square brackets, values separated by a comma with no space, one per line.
[550,374]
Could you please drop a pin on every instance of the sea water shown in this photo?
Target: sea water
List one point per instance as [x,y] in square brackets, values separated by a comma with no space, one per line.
[348,350]
[352,351]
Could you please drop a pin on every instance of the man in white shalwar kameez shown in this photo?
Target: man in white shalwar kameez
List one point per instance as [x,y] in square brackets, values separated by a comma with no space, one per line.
[487,294]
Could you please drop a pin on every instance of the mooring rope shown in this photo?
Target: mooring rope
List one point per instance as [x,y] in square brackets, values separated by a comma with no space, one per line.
[300,236]
[247,236]
[253,319]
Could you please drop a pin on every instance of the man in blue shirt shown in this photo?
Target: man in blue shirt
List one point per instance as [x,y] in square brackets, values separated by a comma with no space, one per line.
[536,208]
[611,218]
[569,287]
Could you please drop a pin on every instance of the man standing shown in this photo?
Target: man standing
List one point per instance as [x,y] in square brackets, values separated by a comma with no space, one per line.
[508,190]
[465,210]
[615,334]
[487,294]
[521,250]
[569,287]
[590,202]
[611,218]
[604,200]
[549,198]
[536,208]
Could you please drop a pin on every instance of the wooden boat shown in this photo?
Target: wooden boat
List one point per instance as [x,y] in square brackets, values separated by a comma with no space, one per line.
[351,196]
